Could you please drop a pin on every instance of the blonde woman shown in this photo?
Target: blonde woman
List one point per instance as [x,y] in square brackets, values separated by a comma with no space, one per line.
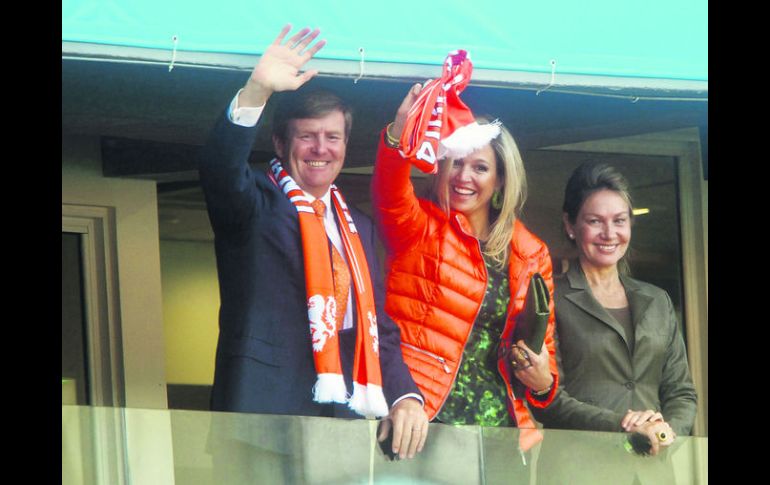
[459,262]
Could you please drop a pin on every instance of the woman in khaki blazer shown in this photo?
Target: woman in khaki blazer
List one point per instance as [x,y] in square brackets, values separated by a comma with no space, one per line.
[623,363]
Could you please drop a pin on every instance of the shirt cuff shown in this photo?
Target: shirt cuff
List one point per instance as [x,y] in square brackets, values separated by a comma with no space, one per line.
[243,116]
[412,395]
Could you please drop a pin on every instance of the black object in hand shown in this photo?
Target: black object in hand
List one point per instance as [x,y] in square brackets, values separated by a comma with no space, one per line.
[639,443]
[386,445]
[532,322]
[531,325]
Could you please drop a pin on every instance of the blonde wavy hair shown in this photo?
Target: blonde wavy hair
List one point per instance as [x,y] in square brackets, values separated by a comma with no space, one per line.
[510,168]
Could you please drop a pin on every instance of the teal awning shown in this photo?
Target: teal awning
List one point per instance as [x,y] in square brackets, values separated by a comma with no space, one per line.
[654,39]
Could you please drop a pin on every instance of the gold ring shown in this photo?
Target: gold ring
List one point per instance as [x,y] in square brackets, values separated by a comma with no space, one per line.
[662,436]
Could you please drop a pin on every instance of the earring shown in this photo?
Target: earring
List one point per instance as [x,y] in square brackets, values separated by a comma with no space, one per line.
[497,203]
[571,236]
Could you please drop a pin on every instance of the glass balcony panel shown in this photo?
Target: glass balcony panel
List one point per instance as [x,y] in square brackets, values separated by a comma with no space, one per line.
[103,445]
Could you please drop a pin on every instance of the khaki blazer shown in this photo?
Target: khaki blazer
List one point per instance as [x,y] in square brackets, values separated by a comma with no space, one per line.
[600,378]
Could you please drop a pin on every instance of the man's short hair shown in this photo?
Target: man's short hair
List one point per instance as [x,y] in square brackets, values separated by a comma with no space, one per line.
[306,104]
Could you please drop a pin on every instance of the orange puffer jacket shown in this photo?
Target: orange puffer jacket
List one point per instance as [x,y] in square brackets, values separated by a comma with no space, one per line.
[436,283]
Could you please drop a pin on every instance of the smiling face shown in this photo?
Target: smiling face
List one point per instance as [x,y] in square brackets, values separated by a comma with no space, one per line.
[314,152]
[472,181]
[602,229]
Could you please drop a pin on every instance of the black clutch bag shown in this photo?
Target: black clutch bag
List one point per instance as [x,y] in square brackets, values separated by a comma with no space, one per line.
[531,323]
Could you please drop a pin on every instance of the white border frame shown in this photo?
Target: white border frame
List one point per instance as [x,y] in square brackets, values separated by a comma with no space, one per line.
[96,226]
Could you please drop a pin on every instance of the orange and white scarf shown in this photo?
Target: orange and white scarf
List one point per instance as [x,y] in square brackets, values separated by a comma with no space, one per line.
[367,398]
[439,124]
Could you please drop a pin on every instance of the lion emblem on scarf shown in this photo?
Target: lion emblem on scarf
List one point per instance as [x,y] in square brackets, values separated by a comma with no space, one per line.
[373,332]
[323,317]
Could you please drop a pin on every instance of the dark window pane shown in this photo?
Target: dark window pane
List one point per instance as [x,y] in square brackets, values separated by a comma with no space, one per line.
[74,368]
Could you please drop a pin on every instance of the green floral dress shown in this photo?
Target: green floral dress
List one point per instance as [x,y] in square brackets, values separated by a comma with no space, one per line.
[478,395]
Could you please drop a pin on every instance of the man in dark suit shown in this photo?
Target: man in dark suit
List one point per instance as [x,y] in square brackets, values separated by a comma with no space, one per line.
[265,360]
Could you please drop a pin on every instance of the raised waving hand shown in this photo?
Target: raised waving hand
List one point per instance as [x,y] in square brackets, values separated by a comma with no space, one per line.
[279,66]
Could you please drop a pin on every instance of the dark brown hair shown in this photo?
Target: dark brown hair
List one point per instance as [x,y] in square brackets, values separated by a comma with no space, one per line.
[311,104]
[590,177]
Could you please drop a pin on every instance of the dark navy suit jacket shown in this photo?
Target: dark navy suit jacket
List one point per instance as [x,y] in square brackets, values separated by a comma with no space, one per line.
[264,361]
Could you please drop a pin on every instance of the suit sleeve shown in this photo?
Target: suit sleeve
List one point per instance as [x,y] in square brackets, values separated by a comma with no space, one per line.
[677,391]
[566,412]
[396,378]
[227,180]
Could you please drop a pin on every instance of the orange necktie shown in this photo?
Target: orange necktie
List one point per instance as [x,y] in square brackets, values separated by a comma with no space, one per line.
[340,270]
